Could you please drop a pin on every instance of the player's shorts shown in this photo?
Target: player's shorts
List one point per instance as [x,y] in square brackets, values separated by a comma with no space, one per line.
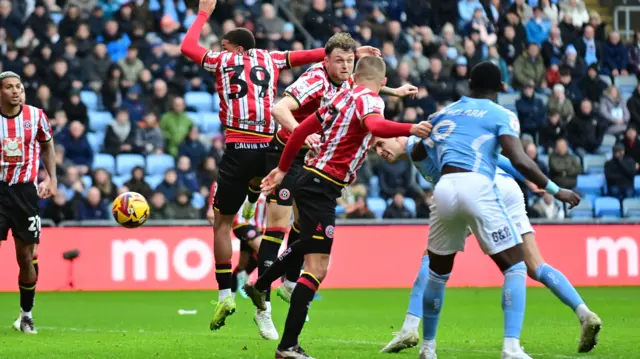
[464,200]
[246,233]
[241,162]
[282,195]
[513,200]
[316,199]
[19,211]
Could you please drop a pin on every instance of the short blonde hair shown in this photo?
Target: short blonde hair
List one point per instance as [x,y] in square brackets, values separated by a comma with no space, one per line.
[371,68]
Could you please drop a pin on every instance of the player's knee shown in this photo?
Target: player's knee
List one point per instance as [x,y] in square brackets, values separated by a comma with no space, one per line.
[441,264]
[278,216]
[317,265]
[25,257]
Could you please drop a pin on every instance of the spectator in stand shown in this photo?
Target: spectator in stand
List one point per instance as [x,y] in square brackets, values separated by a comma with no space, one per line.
[187,177]
[360,210]
[148,136]
[575,63]
[547,207]
[553,48]
[423,209]
[207,174]
[632,144]
[494,10]
[633,105]
[588,47]
[401,40]
[319,21]
[576,10]
[159,103]
[494,57]
[62,163]
[11,22]
[134,105]
[137,182]
[71,183]
[396,209]
[529,67]
[77,147]
[11,61]
[131,66]
[524,11]
[68,26]
[158,206]
[634,54]
[351,19]
[559,104]
[192,147]
[59,209]
[483,27]
[472,53]
[586,130]
[27,42]
[551,11]
[120,134]
[615,57]
[30,81]
[592,85]
[288,38]
[38,20]
[75,109]
[531,150]
[531,111]
[437,82]
[389,55]
[428,40]
[117,42]
[112,89]
[97,21]
[571,89]
[460,78]
[620,172]
[182,208]
[175,125]
[553,130]
[158,60]
[418,62]
[59,80]
[269,26]
[169,185]
[614,110]
[564,168]
[466,8]
[538,27]
[84,41]
[47,103]
[598,25]
[96,67]
[396,175]
[93,208]
[102,181]
[74,62]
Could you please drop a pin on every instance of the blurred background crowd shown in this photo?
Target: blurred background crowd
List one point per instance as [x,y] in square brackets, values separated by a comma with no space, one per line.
[130,113]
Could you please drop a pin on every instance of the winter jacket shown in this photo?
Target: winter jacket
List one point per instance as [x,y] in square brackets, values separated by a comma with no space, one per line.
[564,169]
[194,150]
[634,59]
[89,212]
[592,88]
[77,150]
[175,127]
[633,105]
[531,113]
[537,33]
[564,108]
[551,53]
[614,57]
[550,133]
[525,69]
[612,111]
[587,131]
[177,211]
[620,172]
[148,139]
[95,68]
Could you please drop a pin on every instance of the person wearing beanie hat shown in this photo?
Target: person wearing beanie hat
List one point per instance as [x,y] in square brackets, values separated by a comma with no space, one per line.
[592,85]
[531,110]
[460,76]
[620,172]
[559,103]
[575,62]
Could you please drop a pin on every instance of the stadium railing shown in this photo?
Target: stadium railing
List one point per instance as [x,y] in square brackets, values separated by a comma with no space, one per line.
[282,6]
[623,21]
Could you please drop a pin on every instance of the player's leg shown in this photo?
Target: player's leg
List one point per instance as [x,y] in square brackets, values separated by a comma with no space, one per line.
[239,272]
[253,193]
[408,335]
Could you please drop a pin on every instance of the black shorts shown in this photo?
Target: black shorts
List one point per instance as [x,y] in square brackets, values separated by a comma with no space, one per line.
[19,212]
[241,162]
[282,195]
[246,233]
[316,201]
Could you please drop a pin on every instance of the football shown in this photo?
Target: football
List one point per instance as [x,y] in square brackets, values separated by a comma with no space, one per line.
[130,210]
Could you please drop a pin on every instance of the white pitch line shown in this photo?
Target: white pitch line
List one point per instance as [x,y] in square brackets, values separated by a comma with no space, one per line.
[330,340]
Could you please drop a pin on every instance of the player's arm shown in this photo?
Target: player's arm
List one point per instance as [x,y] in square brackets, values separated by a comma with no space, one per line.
[305,57]
[309,126]
[283,112]
[190,46]
[49,159]
[379,127]
[417,150]
[402,91]
[505,165]
[44,136]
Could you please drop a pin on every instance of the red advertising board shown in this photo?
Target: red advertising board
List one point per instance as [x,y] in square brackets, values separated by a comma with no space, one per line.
[177,258]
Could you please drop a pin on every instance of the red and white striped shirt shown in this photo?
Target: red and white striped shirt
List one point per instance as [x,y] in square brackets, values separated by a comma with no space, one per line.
[247,84]
[312,90]
[259,219]
[20,138]
[345,139]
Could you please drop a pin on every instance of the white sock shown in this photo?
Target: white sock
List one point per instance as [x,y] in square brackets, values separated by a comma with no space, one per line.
[223,293]
[582,311]
[233,295]
[289,285]
[430,343]
[411,323]
[27,314]
[512,345]
[268,307]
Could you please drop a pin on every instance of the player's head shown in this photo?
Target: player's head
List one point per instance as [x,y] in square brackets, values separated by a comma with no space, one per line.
[340,56]
[238,40]
[390,149]
[12,93]
[370,72]
[485,81]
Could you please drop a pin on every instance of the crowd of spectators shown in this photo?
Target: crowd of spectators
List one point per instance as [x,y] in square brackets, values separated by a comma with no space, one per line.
[556,57]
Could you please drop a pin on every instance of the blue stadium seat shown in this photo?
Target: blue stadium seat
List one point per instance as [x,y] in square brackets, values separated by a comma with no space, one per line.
[411,205]
[581,211]
[90,99]
[340,210]
[544,159]
[159,164]
[216,103]
[200,100]
[626,83]
[594,163]
[590,184]
[120,180]
[98,120]
[636,184]
[87,181]
[106,161]
[56,17]
[96,140]
[210,123]
[377,206]
[607,207]
[508,99]
[631,207]
[154,180]
[126,162]
[606,79]
[195,117]
[608,141]
[374,187]
[198,201]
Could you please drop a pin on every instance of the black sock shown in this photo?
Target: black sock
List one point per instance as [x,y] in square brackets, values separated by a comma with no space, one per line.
[253,193]
[223,275]
[268,252]
[234,280]
[301,298]
[27,295]
[293,270]
[280,265]
[252,264]
[35,264]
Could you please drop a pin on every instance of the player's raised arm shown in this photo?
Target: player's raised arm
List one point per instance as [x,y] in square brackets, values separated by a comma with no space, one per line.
[402,91]
[380,127]
[190,46]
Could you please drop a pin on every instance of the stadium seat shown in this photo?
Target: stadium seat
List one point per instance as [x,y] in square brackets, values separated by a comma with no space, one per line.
[56,17]
[607,207]
[606,79]
[106,161]
[200,100]
[89,99]
[96,140]
[195,117]
[544,98]
[87,181]
[608,141]
[154,180]
[377,206]
[340,210]
[198,201]
[216,103]
[636,184]
[126,162]
[631,207]
[629,82]
[374,187]
[508,99]
[98,120]
[590,184]
[159,164]
[544,159]
[410,203]
[583,210]
[120,180]
[594,163]
[210,123]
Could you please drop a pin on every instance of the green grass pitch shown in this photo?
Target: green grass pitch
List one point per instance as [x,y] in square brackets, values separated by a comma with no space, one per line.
[350,324]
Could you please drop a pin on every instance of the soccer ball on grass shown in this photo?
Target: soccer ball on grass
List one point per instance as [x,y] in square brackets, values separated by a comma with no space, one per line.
[130,210]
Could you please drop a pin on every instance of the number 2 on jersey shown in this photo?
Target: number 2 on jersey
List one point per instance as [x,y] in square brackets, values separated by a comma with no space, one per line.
[258,75]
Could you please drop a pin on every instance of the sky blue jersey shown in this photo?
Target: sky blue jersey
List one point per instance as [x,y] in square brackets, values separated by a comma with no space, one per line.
[466,134]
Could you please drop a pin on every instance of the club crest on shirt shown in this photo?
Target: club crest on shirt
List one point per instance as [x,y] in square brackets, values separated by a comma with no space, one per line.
[514,123]
[27,125]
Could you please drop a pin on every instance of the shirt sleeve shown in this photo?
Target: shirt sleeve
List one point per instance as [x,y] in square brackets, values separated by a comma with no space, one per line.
[44,128]
[306,89]
[280,59]
[509,125]
[211,60]
[505,165]
[369,105]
